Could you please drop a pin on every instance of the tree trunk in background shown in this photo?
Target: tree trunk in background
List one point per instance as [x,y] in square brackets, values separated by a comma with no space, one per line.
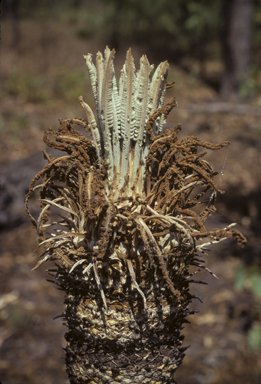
[236,42]
[11,11]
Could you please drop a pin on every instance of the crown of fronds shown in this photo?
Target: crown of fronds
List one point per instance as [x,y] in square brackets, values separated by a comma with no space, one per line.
[120,134]
[127,196]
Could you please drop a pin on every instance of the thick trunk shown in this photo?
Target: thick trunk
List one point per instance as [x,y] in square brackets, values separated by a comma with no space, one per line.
[236,42]
[123,344]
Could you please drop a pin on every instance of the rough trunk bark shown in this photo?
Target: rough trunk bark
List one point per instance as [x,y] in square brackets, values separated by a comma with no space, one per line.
[123,344]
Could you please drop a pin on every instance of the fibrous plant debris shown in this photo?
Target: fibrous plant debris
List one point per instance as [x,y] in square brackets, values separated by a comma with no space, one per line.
[123,216]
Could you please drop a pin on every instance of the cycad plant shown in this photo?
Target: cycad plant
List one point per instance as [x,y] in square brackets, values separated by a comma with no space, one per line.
[122,217]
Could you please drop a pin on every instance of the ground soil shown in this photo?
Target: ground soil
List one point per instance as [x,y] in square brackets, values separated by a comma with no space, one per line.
[31,341]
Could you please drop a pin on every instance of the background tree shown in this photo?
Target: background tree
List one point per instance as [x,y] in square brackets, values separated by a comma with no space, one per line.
[195,30]
[11,11]
[187,33]
[236,44]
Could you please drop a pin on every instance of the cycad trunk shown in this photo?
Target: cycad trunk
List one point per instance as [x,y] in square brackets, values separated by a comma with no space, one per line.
[124,344]
[127,237]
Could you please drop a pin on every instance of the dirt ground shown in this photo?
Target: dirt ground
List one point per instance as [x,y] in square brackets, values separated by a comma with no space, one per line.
[31,341]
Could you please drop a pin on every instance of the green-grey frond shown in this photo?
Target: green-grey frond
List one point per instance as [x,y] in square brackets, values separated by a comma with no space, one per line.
[122,114]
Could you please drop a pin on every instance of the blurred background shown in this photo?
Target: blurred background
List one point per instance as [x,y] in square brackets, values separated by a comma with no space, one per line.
[214,51]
